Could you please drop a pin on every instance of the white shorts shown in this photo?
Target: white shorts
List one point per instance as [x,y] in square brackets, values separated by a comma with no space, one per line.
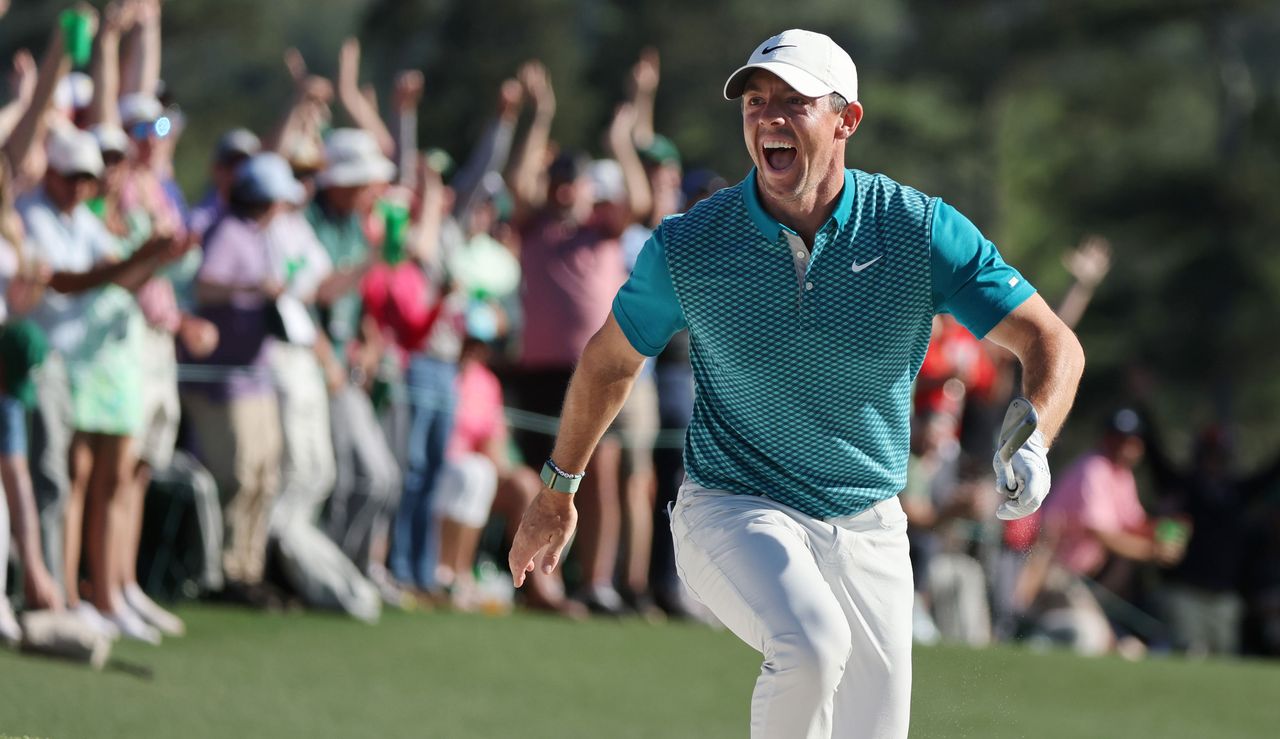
[161,410]
[826,602]
[466,489]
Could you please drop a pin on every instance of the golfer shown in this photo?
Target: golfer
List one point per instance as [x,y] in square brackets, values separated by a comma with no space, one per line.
[808,291]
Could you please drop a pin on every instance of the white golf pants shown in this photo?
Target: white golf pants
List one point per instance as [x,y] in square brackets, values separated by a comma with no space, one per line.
[827,602]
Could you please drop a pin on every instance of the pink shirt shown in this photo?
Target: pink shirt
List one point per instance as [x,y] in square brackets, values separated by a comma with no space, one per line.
[1094,494]
[477,419]
[571,274]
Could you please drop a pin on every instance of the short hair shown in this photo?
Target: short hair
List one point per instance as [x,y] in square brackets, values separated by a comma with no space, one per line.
[837,102]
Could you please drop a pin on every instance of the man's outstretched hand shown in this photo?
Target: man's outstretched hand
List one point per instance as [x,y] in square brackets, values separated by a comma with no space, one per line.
[544,531]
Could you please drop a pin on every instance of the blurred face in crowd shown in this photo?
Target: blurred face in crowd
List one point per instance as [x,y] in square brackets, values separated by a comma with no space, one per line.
[224,174]
[143,136]
[483,217]
[1124,449]
[573,197]
[113,172]
[796,142]
[68,191]
[347,200]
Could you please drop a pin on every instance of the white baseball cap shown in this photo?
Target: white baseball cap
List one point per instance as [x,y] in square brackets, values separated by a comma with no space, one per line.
[607,180]
[811,63]
[139,107]
[73,152]
[110,138]
[352,158]
[267,178]
[74,92]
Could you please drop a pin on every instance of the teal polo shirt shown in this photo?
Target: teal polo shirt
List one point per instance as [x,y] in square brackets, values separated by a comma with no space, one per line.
[803,360]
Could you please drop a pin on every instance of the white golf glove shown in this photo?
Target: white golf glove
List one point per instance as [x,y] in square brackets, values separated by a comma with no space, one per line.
[1031,476]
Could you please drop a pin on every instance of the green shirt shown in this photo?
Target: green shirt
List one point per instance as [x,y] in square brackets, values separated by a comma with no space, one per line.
[344,240]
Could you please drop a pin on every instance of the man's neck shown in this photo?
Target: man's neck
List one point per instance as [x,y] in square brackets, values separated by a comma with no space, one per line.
[806,213]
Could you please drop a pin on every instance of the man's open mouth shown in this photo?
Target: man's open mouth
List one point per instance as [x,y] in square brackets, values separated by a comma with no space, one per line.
[779,155]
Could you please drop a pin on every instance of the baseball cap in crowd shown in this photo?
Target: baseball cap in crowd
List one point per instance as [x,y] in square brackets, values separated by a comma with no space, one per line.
[607,181]
[661,150]
[352,158]
[236,145]
[811,63]
[567,166]
[1125,422]
[74,152]
[74,92]
[699,183]
[111,140]
[139,107]
[267,178]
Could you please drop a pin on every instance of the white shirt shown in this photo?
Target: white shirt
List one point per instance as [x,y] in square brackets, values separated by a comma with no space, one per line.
[67,242]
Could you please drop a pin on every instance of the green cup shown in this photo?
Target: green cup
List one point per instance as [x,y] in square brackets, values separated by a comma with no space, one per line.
[395,219]
[77,36]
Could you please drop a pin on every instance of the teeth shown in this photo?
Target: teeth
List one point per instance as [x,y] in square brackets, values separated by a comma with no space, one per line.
[777,145]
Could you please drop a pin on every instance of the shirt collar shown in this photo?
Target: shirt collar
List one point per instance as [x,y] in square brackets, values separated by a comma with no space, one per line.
[771,228]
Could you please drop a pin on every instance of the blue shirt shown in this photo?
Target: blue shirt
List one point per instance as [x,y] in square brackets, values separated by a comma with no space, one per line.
[803,360]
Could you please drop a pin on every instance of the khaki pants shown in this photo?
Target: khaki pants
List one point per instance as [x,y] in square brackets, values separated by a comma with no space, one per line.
[240,445]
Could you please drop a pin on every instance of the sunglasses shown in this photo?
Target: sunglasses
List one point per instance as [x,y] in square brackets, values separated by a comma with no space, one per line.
[159,128]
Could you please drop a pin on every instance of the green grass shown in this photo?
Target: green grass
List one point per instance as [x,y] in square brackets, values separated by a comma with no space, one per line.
[240,674]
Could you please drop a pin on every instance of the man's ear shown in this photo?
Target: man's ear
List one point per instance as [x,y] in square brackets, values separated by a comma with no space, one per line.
[849,120]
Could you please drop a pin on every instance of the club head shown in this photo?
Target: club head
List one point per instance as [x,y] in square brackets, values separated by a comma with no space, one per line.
[1019,424]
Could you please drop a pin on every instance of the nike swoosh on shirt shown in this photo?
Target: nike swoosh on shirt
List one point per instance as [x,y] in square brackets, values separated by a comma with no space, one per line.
[771,49]
[859,267]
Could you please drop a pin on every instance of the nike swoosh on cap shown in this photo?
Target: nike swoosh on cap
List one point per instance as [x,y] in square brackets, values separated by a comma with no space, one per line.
[771,49]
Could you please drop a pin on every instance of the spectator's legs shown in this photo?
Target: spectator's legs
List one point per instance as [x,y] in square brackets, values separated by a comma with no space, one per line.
[240,444]
[113,465]
[50,477]
[10,632]
[307,471]
[639,495]
[368,478]
[431,395]
[161,413]
[40,588]
[675,408]
[258,428]
[464,495]
[957,590]
[184,473]
[599,526]
[639,425]
[81,467]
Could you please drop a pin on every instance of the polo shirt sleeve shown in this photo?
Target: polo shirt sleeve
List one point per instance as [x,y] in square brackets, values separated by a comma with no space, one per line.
[646,307]
[970,278]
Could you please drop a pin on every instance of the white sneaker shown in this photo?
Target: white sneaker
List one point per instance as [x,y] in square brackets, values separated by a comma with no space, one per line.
[133,627]
[10,631]
[95,620]
[167,623]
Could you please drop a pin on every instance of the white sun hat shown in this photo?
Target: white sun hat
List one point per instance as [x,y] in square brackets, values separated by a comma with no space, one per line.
[352,158]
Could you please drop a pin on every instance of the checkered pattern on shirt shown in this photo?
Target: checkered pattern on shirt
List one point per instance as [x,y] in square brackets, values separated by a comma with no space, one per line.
[804,394]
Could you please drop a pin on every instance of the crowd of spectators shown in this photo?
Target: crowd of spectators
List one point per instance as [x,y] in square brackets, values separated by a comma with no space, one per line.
[346,361]
[1129,553]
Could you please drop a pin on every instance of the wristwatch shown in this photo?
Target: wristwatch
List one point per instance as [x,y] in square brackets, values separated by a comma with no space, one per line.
[558,480]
